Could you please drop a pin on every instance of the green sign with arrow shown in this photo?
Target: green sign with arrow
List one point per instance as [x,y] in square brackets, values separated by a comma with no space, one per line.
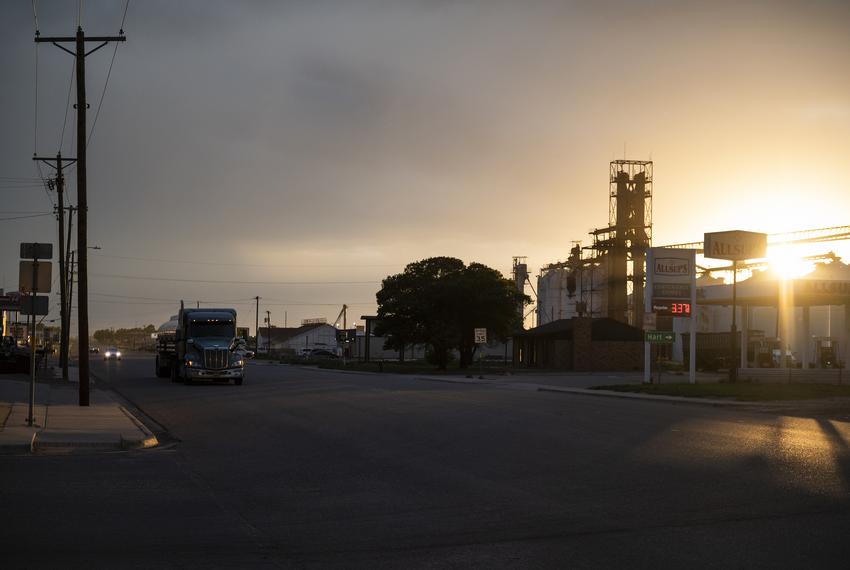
[660,337]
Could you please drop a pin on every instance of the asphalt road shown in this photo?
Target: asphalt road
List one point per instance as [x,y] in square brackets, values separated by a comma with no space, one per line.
[305,468]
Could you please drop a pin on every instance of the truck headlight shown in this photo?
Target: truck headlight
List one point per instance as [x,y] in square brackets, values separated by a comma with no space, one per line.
[239,362]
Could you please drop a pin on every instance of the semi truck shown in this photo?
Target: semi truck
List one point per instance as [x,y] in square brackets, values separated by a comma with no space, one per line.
[201,344]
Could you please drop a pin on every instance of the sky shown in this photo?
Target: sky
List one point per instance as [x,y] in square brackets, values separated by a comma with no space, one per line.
[302,151]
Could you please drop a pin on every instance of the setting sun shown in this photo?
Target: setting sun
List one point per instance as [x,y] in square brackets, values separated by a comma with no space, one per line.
[786,263]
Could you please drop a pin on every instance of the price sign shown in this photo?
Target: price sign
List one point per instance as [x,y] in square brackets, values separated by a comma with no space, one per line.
[671,308]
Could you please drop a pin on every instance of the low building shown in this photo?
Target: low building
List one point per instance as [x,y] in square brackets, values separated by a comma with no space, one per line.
[293,339]
[580,343]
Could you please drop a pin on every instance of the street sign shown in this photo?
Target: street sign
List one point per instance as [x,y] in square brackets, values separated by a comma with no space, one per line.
[480,336]
[660,337]
[36,251]
[10,302]
[735,245]
[37,305]
[17,330]
[43,271]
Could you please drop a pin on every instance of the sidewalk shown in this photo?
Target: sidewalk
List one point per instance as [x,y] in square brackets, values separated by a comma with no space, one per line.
[61,425]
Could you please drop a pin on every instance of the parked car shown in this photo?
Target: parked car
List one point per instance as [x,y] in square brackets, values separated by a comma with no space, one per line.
[94,350]
[112,353]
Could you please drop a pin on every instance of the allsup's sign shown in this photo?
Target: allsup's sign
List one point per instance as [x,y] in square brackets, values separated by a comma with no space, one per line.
[672,266]
[735,245]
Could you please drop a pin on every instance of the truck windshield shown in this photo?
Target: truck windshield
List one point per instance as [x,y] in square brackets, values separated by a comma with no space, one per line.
[218,328]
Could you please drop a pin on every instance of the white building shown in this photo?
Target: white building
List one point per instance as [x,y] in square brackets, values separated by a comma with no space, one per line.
[318,335]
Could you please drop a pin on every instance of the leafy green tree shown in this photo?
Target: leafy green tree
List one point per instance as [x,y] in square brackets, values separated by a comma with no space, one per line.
[439,301]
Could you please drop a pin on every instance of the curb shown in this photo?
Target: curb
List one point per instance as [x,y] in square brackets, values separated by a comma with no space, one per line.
[18,448]
[146,442]
[453,381]
[651,397]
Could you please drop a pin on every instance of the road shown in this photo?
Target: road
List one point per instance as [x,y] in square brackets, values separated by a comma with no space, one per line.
[306,468]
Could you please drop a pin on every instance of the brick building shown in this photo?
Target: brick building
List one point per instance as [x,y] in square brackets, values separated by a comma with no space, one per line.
[580,343]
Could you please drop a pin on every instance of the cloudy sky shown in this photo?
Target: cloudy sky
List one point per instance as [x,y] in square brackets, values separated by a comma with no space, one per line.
[302,151]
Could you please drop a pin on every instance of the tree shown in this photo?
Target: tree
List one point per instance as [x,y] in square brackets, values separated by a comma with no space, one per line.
[439,301]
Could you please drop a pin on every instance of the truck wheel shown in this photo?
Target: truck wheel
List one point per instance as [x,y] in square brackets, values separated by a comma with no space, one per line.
[175,377]
[237,381]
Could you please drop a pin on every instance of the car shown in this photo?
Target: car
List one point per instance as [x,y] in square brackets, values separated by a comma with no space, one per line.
[112,353]
[94,350]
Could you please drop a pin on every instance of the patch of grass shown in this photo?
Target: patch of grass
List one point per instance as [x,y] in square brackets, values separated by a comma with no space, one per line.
[741,391]
[394,367]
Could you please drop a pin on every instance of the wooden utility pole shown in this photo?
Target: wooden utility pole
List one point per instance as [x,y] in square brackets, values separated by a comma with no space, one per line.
[69,275]
[257,328]
[64,323]
[82,203]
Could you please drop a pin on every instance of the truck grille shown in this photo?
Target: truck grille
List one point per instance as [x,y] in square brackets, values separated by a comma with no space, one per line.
[215,358]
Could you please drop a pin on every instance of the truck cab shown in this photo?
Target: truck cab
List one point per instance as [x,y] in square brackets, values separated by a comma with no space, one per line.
[206,347]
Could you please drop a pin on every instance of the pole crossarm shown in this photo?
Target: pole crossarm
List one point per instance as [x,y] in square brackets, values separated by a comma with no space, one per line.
[60,39]
[57,40]
[51,160]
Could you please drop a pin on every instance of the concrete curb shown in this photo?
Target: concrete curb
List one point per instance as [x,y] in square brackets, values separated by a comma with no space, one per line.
[18,448]
[454,380]
[149,440]
[652,397]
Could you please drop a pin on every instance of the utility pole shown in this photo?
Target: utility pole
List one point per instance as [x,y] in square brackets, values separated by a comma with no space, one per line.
[70,277]
[257,328]
[269,340]
[63,276]
[71,263]
[82,202]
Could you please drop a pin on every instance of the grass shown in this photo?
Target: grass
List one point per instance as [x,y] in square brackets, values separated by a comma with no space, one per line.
[403,367]
[741,391]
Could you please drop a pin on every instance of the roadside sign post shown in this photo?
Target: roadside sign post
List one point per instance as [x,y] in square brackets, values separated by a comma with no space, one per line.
[734,246]
[480,339]
[670,291]
[34,277]
[659,337]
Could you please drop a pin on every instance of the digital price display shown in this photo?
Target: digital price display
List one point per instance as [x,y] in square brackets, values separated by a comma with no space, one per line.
[671,308]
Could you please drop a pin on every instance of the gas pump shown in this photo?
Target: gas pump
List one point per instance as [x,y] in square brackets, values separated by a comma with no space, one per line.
[826,352]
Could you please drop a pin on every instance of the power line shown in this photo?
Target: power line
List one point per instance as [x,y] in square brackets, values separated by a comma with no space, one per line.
[108,74]
[233,282]
[21,186]
[134,297]
[225,264]
[26,217]
[246,301]
[67,105]
[35,111]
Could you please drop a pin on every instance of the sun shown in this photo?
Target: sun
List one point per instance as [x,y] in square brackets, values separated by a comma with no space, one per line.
[786,264]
